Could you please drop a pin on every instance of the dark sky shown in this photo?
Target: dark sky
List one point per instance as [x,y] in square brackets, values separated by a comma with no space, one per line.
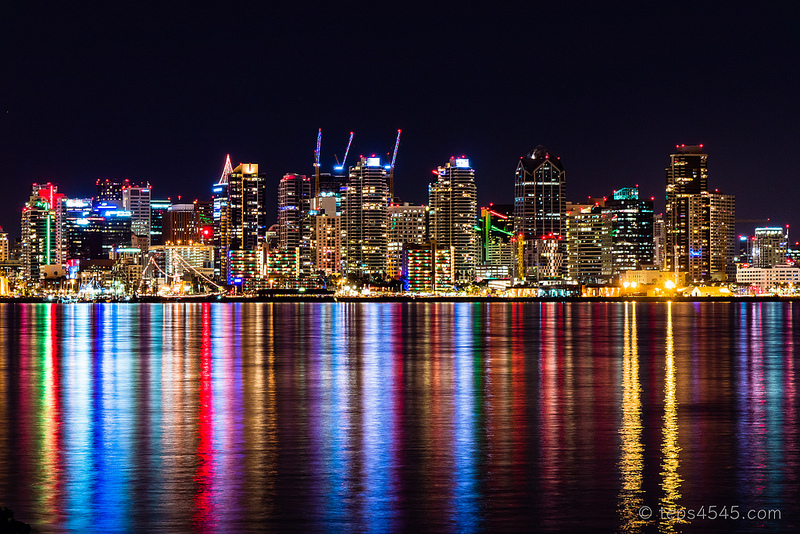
[163,93]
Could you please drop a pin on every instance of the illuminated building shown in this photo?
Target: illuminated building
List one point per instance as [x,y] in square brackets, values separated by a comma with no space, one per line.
[244,269]
[136,199]
[659,238]
[589,243]
[540,215]
[427,268]
[186,260]
[110,191]
[328,243]
[768,278]
[631,229]
[769,247]
[406,225]
[158,209]
[239,217]
[41,231]
[496,230]
[294,207]
[246,193]
[699,225]
[365,219]
[3,245]
[181,225]
[114,227]
[453,211]
[722,234]
[82,237]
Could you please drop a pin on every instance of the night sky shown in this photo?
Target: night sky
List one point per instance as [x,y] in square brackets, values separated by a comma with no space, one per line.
[161,94]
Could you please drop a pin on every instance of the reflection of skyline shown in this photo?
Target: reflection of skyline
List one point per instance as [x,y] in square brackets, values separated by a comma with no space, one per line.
[348,416]
[631,462]
[670,449]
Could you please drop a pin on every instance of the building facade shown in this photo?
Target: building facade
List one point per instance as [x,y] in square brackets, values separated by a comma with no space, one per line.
[365,219]
[540,215]
[631,230]
[453,200]
[406,225]
[136,199]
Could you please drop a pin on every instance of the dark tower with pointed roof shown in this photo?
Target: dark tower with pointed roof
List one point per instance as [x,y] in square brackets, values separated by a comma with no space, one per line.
[540,214]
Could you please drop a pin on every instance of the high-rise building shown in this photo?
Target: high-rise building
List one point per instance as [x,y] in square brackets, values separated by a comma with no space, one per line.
[770,246]
[136,199]
[406,225]
[181,225]
[3,245]
[722,234]
[427,268]
[41,230]
[659,238]
[239,216]
[453,214]
[365,219]
[589,243]
[540,215]
[631,230]
[246,195]
[110,190]
[158,209]
[687,217]
[328,243]
[294,205]
[497,248]
[698,223]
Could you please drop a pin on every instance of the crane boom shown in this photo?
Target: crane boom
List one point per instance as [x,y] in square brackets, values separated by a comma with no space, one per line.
[347,150]
[316,164]
[396,146]
[391,168]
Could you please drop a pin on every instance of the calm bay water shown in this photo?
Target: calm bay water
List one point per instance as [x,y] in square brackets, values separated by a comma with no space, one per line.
[394,416]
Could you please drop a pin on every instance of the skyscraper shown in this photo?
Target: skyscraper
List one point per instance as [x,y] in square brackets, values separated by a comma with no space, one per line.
[770,246]
[365,220]
[41,232]
[294,204]
[406,225]
[453,201]
[722,234]
[136,199]
[698,224]
[540,215]
[239,216]
[589,243]
[109,190]
[631,229]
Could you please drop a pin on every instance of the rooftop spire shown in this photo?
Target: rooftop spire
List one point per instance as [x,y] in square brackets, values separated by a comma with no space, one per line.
[226,171]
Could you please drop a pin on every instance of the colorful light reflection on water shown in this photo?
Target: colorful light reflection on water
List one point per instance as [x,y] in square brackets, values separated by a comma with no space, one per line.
[390,416]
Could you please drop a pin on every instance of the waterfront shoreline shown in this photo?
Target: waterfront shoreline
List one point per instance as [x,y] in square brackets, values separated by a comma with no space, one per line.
[408,299]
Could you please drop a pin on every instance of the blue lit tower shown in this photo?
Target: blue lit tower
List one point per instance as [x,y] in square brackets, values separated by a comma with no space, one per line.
[540,215]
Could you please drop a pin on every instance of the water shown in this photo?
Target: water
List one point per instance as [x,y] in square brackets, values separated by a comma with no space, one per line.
[393,416]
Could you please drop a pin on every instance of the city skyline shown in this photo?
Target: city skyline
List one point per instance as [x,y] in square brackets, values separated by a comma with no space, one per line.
[161,95]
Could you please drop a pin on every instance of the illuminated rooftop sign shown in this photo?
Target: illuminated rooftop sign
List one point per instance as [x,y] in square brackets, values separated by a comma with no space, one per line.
[373,162]
[462,162]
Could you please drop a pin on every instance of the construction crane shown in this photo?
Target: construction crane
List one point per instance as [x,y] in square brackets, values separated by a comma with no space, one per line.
[316,163]
[340,167]
[391,168]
